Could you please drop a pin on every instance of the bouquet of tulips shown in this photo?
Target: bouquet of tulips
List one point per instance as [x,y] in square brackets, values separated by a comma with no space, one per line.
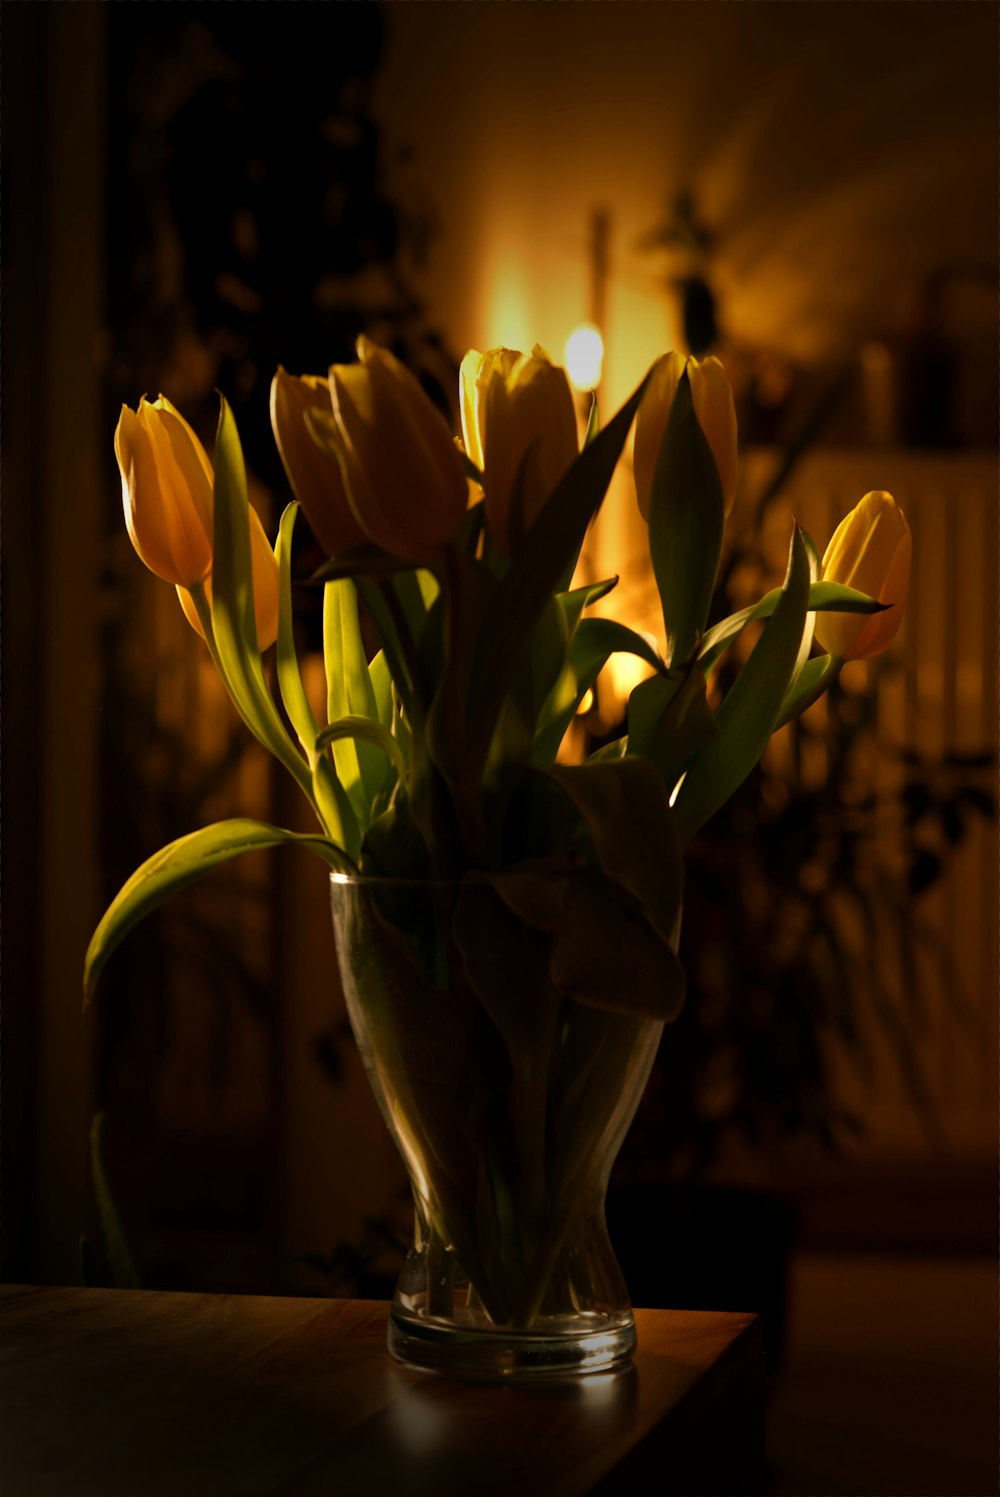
[509,944]
[438,756]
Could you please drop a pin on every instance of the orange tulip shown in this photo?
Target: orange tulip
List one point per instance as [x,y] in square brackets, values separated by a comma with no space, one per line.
[264,567]
[166,491]
[712,399]
[403,476]
[310,459]
[516,409]
[870,551]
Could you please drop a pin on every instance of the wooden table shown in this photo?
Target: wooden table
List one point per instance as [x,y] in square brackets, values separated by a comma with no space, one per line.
[147,1394]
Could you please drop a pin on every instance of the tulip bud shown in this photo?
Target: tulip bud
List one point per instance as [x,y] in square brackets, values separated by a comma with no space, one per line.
[712,400]
[517,415]
[402,474]
[870,551]
[311,460]
[264,567]
[166,491]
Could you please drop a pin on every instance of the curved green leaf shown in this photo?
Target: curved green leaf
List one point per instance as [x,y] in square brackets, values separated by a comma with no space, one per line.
[573,603]
[816,676]
[809,627]
[590,648]
[184,862]
[748,715]
[364,730]
[824,597]
[234,629]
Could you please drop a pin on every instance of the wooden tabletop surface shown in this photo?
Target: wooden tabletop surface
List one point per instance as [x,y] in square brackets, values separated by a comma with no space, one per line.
[149,1394]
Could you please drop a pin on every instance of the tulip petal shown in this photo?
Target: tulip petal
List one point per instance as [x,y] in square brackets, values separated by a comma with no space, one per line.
[870,550]
[308,441]
[402,472]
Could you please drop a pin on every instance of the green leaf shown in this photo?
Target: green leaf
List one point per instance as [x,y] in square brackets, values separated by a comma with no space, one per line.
[234,631]
[336,810]
[597,637]
[184,862]
[669,719]
[824,597]
[809,627]
[393,845]
[608,752]
[368,561]
[124,1274]
[382,607]
[364,730]
[574,603]
[448,659]
[748,715]
[540,669]
[631,825]
[686,517]
[816,676]
[350,694]
[593,643]
[416,592]
[507,962]
[604,953]
[232,571]
[300,714]
[593,424]
[378,673]
[553,543]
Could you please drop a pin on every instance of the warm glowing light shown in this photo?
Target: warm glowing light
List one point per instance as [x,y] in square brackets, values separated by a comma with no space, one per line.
[586,703]
[584,354]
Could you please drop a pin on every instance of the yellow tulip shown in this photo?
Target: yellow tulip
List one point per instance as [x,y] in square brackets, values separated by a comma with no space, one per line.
[310,459]
[870,551]
[712,399]
[402,473]
[264,567]
[516,408]
[166,491]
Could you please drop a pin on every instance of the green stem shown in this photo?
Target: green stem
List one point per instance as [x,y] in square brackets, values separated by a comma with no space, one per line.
[794,706]
[265,725]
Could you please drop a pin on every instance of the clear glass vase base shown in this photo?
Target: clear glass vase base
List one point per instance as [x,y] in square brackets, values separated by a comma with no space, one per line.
[594,1343]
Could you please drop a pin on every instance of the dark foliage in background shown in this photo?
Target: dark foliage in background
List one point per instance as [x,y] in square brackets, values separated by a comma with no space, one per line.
[254,217]
[803,924]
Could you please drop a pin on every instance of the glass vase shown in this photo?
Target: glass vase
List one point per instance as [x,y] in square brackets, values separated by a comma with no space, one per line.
[508,1101]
